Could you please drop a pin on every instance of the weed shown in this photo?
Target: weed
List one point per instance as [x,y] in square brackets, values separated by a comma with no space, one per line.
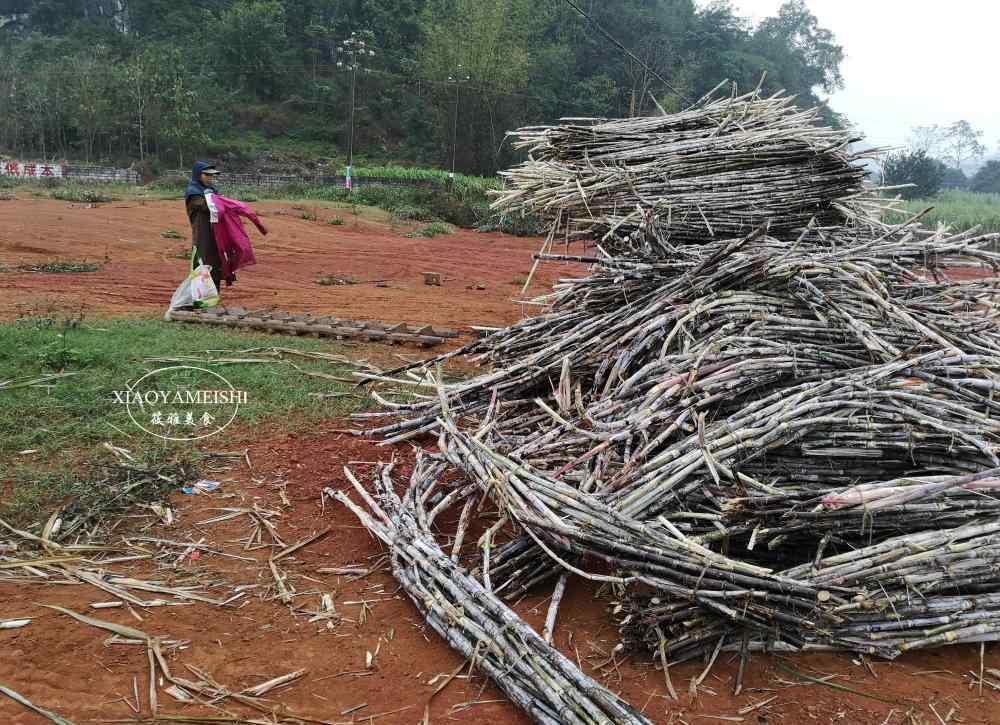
[80,194]
[432,230]
[171,234]
[336,222]
[409,212]
[332,280]
[58,267]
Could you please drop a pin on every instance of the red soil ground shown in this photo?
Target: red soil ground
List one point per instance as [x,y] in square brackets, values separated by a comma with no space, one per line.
[140,269]
[70,668]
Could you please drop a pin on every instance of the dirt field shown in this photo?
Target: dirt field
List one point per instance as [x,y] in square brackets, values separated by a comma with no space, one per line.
[70,667]
[73,669]
[141,269]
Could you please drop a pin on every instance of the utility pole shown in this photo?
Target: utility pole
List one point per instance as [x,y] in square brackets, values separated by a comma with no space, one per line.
[353,51]
[458,77]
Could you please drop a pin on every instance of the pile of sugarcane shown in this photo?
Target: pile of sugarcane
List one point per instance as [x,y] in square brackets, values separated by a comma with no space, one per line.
[766,417]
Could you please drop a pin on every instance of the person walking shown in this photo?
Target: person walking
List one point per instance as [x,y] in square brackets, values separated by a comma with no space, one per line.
[202,212]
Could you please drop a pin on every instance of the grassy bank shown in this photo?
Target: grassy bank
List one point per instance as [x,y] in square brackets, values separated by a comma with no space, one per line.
[53,434]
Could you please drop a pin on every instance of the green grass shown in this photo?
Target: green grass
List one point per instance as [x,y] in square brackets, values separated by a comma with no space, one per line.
[960,210]
[67,421]
[172,234]
[416,173]
[56,267]
[83,194]
[431,231]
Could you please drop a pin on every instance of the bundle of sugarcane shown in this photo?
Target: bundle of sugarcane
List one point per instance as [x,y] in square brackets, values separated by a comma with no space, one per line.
[536,676]
[715,171]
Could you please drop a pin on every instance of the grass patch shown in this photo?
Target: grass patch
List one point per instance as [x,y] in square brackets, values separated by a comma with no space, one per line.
[959,210]
[65,422]
[409,212]
[332,280]
[336,222]
[171,234]
[432,230]
[82,194]
[56,267]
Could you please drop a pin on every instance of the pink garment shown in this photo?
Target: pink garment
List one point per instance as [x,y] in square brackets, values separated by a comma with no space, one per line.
[230,236]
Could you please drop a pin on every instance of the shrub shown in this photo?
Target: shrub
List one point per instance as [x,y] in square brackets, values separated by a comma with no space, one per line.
[80,194]
[410,212]
[987,179]
[431,231]
[923,172]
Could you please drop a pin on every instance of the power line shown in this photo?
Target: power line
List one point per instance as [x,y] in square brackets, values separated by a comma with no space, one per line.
[625,50]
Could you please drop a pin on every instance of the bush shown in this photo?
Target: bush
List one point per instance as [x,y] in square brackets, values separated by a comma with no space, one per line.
[987,179]
[432,230]
[923,172]
[409,212]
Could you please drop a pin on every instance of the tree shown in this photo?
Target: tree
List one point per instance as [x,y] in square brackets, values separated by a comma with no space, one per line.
[987,179]
[93,97]
[801,54]
[251,39]
[954,179]
[962,143]
[929,139]
[183,124]
[916,168]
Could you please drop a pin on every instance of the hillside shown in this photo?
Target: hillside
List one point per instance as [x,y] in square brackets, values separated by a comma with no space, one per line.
[165,80]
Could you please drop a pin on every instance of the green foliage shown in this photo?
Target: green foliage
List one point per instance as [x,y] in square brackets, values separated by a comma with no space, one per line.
[238,80]
[987,179]
[251,41]
[959,210]
[916,168]
[954,179]
[431,231]
[409,212]
[171,234]
[81,194]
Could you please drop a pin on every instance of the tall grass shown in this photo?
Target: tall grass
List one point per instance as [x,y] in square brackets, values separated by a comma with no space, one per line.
[959,210]
[413,173]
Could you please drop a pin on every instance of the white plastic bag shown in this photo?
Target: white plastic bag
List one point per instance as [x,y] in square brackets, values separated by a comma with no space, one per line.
[203,288]
[196,287]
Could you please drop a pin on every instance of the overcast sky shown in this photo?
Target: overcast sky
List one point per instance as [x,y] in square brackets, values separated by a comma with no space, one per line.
[911,62]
